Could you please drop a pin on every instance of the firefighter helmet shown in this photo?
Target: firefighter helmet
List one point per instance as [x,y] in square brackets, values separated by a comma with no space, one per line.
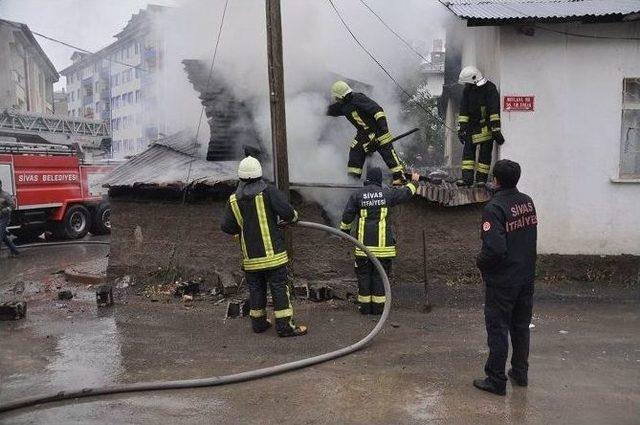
[339,90]
[249,168]
[471,75]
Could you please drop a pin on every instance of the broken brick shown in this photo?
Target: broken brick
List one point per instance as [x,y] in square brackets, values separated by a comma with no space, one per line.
[14,310]
[104,295]
[237,308]
[319,293]
[65,295]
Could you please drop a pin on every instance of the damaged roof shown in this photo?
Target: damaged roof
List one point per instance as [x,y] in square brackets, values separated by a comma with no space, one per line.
[545,10]
[172,161]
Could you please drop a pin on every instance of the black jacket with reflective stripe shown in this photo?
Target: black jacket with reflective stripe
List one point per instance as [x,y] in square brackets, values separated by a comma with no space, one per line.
[365,115]
[509,236]
[252,213]
[367,211]
[480,111]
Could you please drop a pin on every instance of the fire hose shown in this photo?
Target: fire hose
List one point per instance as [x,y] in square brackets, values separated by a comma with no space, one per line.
[225,379]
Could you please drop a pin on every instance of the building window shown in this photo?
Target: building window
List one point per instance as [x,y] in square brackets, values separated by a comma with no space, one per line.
[630,137]
[137,72]
[137,96]
[136,47]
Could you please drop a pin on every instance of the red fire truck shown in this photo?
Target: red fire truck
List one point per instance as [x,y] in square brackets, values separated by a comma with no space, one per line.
[55,191]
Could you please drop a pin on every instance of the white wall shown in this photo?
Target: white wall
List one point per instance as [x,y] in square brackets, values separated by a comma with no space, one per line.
[569,148]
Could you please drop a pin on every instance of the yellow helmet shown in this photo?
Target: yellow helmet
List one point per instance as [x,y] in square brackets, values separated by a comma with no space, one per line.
[339,90]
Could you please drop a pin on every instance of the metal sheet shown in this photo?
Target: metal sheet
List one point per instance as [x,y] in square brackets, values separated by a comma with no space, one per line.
[541,9]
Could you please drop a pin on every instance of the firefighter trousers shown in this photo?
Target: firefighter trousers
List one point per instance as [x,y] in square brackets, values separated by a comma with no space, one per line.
[371,295]
[357,157]
[4,222]
[469,163]
[276,280]
[507,312]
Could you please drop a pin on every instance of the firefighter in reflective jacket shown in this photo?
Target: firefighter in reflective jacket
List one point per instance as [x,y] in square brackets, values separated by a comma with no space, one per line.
[507,262]
[372,133]
[479,125]
[252,214]
[368,208]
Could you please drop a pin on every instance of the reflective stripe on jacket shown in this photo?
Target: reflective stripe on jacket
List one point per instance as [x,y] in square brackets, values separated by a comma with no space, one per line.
[480,111]
[368,211]
[254,217]
[366,116]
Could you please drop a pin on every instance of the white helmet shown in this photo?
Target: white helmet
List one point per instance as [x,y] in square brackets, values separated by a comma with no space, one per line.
[249,168]
[472,75]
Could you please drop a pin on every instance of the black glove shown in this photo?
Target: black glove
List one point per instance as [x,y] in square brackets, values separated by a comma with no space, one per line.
[372,146]
[498,137]
[463,136]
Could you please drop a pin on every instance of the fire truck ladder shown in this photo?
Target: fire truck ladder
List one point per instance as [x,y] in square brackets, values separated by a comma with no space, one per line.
[16,122]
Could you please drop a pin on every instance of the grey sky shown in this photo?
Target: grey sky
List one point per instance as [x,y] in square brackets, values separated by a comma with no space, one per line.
[90,24]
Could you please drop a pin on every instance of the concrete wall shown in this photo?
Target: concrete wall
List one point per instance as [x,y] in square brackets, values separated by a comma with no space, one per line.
[26,83]
[569,147]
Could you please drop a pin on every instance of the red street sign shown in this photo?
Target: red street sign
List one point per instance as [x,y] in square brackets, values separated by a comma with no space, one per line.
[518,103]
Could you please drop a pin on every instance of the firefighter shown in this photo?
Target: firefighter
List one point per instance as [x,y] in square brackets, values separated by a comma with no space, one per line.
[7,205]
[369,208]
[479,125]
[252,214]
[372,131]
[507,262]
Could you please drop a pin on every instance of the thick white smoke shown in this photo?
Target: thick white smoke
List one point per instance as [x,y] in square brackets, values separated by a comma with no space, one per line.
[317,49]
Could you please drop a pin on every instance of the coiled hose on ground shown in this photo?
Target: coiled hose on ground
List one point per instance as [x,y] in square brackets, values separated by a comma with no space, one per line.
[217,380]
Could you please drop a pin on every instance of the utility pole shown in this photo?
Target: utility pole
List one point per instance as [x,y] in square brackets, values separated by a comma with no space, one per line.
[276,96]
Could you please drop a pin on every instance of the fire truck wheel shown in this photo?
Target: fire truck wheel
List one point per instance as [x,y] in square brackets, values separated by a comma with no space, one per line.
[101,220]
[75,224]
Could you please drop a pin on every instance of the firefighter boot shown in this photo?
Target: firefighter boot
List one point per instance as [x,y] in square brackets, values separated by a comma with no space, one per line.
[286,328]
[377,308]
[364,308]
[260,324]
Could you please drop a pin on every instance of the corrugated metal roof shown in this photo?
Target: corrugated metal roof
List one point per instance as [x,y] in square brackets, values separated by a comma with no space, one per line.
[167,162]
[540,9]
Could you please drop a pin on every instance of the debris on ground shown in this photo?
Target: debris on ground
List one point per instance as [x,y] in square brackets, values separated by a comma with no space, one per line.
[190,288]
[237,308]
[14,310]
[563,332]
[124,282]
[320,292]
[65,295]
[104,295]
[227,283]
[187,298]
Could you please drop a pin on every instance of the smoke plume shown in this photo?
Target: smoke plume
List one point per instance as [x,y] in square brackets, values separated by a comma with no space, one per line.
[317,50]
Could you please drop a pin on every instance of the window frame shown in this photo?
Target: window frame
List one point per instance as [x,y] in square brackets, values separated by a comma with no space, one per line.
[625,106]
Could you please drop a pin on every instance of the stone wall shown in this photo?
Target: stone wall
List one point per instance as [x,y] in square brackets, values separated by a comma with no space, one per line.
[148,234]
[159,232]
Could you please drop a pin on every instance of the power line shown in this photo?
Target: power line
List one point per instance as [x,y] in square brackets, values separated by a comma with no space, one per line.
[80,49]
[213,61]
[573,34]
[402,89]
[404,41]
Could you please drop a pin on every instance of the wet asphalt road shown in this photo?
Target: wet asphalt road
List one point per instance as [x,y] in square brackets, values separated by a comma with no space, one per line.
[418,371]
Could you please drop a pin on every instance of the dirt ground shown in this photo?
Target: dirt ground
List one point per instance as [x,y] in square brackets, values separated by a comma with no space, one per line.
[585,360]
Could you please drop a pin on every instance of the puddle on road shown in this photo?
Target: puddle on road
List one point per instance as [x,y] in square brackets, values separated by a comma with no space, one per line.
[88,355]
[425,404]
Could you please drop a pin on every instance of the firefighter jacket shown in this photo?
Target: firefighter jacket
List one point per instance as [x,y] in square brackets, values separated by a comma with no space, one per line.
[252,212]
[509,235]
[6,204]
[366,116]
[479,115]
[368,208]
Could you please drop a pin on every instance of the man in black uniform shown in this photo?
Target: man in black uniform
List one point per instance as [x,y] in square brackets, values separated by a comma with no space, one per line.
[479,125]
[369,208]
[6,206]
[372,134]
[252,214]
[507,262]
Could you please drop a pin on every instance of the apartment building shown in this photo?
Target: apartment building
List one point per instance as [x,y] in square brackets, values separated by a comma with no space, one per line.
[119,83]
[26,73]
